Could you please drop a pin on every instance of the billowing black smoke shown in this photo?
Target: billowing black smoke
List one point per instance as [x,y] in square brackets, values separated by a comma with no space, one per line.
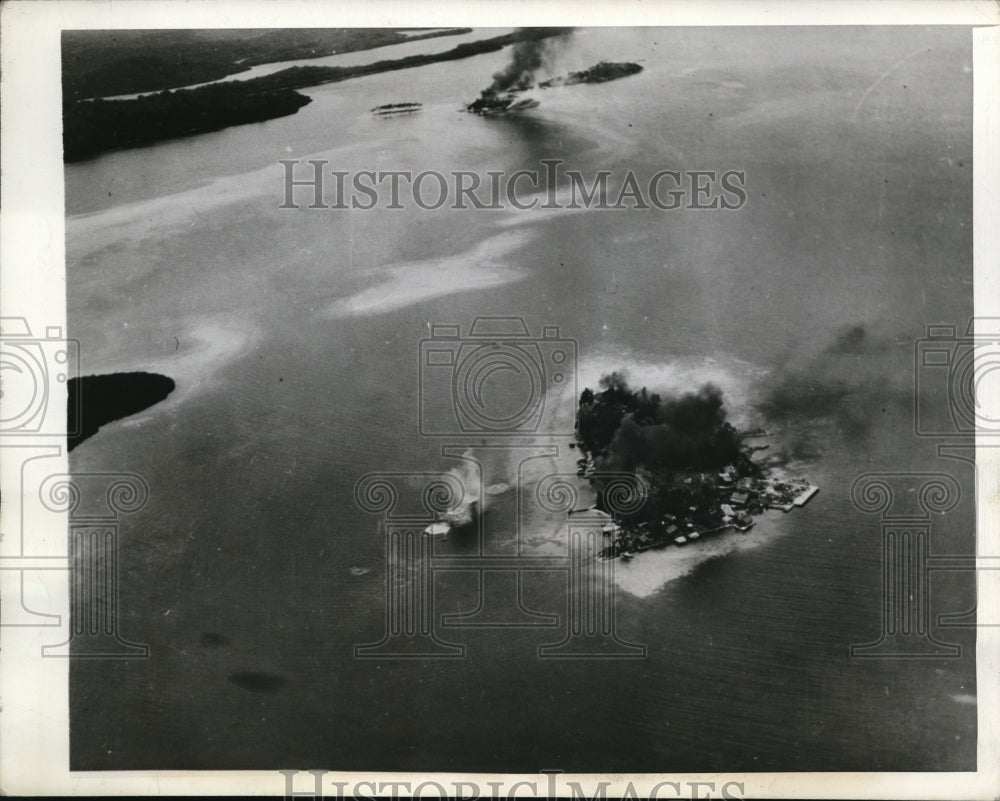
[624,430]
[532,48]
[861,379]
[527,56]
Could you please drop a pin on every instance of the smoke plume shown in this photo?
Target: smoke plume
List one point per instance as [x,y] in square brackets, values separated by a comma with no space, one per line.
[527,56]
[626,430]
[853,381]
[466,475]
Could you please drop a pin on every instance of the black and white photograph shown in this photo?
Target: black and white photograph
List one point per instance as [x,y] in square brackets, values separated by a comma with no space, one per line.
[391,406]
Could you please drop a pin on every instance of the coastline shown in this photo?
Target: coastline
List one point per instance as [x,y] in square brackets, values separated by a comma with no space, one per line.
[95,126]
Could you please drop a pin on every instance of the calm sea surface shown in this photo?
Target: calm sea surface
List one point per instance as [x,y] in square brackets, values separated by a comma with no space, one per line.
[294,339]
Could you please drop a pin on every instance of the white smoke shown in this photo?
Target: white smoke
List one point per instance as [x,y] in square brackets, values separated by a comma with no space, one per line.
[468,477]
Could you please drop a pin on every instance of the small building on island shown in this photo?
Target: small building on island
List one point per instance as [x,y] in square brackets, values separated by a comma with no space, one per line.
[739,498]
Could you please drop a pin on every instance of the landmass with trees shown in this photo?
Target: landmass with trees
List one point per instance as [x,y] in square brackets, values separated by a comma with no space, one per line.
[102,63]
[697,470]
[94,127]
[91,127]
[601,72]
[497,100]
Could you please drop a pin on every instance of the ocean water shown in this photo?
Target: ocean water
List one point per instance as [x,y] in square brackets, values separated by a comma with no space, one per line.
[294,336]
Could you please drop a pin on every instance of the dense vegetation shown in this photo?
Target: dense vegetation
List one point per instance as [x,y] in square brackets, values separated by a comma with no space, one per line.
[666,440]
[94,400]
[108,63]
[599,73]
[300,77]
[93,127]
[494,101]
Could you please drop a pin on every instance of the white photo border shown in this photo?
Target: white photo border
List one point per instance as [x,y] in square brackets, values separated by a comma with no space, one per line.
[34,692]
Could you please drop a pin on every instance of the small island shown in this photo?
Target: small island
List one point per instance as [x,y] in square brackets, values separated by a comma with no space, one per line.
[601,72]
[96,400]
[701,476]
[494,101]
[493,104]
[392,109]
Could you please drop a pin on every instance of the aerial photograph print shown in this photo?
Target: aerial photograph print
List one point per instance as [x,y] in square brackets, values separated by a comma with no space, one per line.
[512,399]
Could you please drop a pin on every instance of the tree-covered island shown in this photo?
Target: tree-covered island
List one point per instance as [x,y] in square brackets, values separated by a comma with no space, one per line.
[499,98]
[700,475]
[601,72]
